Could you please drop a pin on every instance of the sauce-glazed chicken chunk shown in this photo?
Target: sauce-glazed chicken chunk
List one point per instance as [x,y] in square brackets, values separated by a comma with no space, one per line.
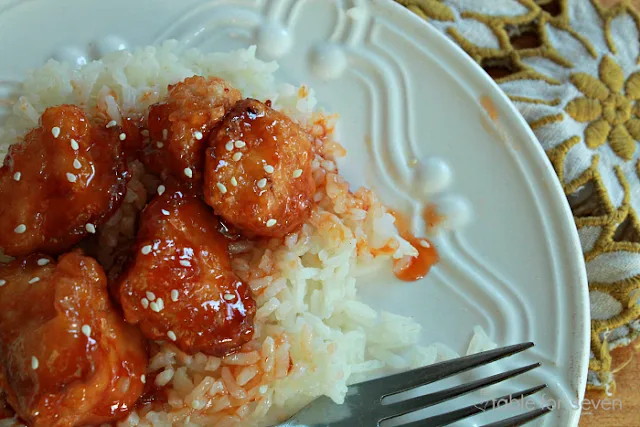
[180,286]
[66,356]
[180,125]
[65,179]
[258,171]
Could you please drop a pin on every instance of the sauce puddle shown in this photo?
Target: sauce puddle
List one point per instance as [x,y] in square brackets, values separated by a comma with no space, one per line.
[418,266]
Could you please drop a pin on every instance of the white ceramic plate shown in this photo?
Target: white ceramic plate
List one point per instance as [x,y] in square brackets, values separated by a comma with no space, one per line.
[403,92]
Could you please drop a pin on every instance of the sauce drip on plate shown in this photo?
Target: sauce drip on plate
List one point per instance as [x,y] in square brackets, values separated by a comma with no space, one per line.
[418,266]
[431,216]
[489,107]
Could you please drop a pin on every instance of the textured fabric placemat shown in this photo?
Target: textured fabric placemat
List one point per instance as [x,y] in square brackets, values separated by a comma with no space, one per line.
[572,69]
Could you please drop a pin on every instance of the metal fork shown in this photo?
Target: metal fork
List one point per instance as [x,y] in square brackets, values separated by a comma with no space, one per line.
[363,405]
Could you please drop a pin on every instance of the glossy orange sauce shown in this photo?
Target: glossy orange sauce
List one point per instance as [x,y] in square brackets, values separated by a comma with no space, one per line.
[427,257]
[133,143]
[62,185]
[80,378]
[187,255]
[252,197]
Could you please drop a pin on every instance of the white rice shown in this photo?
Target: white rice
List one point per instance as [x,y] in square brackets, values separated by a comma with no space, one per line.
[313,336]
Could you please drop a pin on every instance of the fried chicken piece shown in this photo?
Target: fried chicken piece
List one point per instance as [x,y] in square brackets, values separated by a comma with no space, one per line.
[66,356]
[179,285]
[258,174]
[64,180]
[180,125]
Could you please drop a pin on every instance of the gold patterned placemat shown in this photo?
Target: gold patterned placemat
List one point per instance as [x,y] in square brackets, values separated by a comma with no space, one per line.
[572,67]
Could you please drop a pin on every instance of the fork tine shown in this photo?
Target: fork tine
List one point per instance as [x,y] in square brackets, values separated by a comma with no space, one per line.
[400,408]
[417,377]
[469,411]
[519,420]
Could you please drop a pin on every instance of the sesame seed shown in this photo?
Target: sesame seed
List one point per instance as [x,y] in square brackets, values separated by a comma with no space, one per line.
[144,132]
[271,222]
[174,295]
[143,379]
[165,212]
[146,250]
[262,183]
[297,173]
[221,187]
[90,228]
[154,307]
[185,263]
[229,146]
[42,262]
[3,282]
[159,144]
[161,189]
[424,244]
[236,157]
[71,177]
[20,229]
[86,330]
[17,176]
[150,296]
[144,302]
[55,131]
[77,164]
[188,172]
[197,135]
[165,134]
[74,145]
[160,303]
[234,181]
[34,363]
[172,335]
[229,297]
[268,168]
[240,144]
[111,124]
[122,136]
[34,280]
